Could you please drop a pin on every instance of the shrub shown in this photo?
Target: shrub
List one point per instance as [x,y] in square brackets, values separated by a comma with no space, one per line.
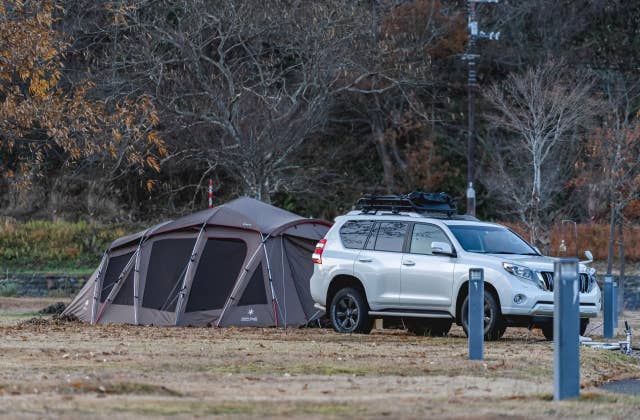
[9,289]
[45,245]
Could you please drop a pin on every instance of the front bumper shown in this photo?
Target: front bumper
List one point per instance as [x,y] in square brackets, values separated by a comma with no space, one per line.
[590,310]
[540,303]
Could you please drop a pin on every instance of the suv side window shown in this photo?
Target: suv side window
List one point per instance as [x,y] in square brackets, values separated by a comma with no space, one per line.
[423,236]
[354,233]
[391,236]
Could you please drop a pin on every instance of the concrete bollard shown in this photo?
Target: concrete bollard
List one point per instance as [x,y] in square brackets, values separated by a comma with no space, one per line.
[476,314]
[566,330]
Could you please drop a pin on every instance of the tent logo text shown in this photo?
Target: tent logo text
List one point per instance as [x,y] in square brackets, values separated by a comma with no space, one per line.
[250,317]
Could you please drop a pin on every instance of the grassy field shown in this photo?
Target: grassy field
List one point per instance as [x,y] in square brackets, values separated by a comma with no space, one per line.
[49,368]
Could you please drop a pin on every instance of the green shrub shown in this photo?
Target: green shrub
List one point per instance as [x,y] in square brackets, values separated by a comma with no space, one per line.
[8,289]
[40,245]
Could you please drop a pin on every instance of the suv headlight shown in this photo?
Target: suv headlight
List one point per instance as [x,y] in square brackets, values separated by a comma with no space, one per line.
[523,272]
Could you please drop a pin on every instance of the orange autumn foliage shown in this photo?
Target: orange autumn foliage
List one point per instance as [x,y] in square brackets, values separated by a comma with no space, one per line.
[591,236]
[44,120]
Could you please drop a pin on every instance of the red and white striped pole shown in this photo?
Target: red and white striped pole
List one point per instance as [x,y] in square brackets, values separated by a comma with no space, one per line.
[210,193]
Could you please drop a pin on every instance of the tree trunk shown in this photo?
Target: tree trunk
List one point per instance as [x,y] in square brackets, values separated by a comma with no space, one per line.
[612,237]
[621,279]
[265,194]
[534,217]
[385,159]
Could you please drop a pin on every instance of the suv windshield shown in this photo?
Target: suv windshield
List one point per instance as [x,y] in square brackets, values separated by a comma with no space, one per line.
[490,240]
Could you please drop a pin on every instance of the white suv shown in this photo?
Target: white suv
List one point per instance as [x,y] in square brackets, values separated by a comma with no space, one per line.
[378,264]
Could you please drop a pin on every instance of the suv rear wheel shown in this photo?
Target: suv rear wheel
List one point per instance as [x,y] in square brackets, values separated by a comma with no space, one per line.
[429,327]
[493,322]
[349,312]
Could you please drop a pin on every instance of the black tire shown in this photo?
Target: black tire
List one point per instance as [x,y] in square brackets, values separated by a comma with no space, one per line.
[502,331]
[430,327]
[350,312]
[493,322]
[547,328]
[584,323]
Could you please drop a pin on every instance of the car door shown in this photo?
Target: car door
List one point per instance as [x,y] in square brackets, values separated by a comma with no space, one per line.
[378,265]
[426,279]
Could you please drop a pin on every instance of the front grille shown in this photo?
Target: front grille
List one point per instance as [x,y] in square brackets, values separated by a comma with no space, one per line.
[547,278]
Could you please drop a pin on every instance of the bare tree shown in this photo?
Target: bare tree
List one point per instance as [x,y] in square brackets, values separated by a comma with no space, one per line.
[390,73]
[540,111]
[241,86]
[613,160]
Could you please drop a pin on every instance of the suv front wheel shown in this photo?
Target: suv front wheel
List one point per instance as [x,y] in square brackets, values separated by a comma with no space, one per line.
[349,312]
[493,323]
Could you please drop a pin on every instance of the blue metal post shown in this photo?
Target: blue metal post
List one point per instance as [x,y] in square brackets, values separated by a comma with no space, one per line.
[615,306]
[476,314]
[609,307]
[566,329]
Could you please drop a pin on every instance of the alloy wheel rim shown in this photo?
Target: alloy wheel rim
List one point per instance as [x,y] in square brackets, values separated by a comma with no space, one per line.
[347,313]
[488,315]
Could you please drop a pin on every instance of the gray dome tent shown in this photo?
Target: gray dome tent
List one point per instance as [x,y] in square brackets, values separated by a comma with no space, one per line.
[244,263]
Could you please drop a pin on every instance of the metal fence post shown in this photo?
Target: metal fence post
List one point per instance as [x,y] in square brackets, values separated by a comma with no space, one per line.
[609,307]
[566,328]
[615,306]
[476,314]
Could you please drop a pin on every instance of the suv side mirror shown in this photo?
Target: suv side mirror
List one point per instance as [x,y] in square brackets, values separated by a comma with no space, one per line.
[442,248]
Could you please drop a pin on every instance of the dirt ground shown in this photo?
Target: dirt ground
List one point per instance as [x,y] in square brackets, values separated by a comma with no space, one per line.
[57,369]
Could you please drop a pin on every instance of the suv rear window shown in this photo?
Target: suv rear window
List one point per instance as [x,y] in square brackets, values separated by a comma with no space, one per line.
[354,233]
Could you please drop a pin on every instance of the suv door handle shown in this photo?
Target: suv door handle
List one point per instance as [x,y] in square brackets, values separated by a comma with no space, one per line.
[363,259]
[408,262]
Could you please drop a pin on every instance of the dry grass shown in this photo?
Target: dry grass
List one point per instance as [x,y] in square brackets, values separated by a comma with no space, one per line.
[70,369]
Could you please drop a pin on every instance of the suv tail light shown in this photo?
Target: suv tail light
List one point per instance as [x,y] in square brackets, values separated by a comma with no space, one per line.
[317,254]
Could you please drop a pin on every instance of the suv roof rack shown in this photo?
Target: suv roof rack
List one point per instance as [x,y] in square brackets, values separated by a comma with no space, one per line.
[419,202]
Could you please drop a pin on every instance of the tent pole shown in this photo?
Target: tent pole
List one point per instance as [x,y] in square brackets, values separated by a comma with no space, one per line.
[97,287]
[274,301]
[122,277]
[188,276]
[136,290]
[284,289]
[136,281]
[116,287]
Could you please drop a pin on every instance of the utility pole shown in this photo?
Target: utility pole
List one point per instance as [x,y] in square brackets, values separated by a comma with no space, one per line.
[471,56]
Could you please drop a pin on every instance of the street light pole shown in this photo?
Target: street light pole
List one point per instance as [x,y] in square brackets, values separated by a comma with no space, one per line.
[471,56]
[471,83]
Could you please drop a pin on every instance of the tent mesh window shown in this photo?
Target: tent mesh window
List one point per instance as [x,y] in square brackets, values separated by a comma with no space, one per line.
[165,273]
[217,272]
[114,268]
[254,293]
[125,295]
